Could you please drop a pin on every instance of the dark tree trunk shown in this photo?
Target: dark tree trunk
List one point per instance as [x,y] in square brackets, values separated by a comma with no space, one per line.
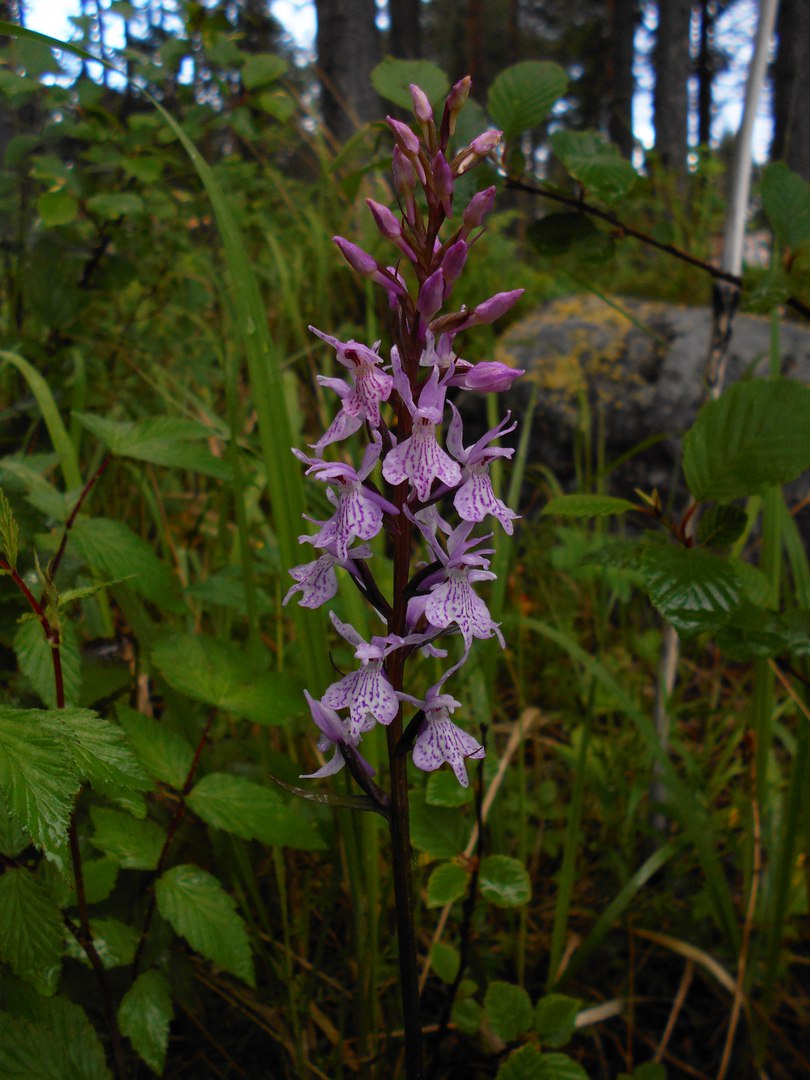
[673,66]
[622,29]
[348,48]
[406,34]
[475,42]
[705,68]
[791,83]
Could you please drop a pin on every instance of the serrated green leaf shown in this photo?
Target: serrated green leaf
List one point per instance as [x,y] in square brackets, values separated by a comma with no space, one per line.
[13,838]
[587,506]
[504,881]
[57,208]
[447,882]
[31,942]
[262,68]
[756,435]
[35,657]
[112,205]
[37,778]
[219,673]
[595,162]
[145,1015]
[115,551]
[115,943]
[391,79]
[162,440]
[102,753]
[253,812]
[753,631]
[721,525]
[444,790]
[467,1015]
[509,1009]
[693,589]
[48,1038]
[528,1063]
[133,844]
[199,909]
[164,753]
[786,201]
[521,97]
[444,960]
[555,1019]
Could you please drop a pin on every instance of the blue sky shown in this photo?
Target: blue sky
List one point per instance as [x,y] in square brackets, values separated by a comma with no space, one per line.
[298,16]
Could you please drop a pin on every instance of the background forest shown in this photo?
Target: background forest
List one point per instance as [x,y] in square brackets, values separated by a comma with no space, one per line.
[622,891]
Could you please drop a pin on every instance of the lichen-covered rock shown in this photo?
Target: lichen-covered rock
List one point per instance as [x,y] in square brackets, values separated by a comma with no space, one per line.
[629,370]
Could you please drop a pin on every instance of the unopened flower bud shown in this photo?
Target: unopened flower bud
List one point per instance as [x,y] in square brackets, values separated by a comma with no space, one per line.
[491,377]
[421,106]
[406,139]
[456,99]
[477,209]
[385,220]
[453,262]
[486,142]
[357,259]
[443,180]
[495,306]
[431,294]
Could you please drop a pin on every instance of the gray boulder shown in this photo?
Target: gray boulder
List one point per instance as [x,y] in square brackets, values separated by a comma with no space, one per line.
[633,376]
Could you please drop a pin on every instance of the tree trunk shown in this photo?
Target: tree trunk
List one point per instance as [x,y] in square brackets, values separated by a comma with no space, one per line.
[705,70]
[791,77]
[348,48]
[406,35]
[621,85]
[673,66]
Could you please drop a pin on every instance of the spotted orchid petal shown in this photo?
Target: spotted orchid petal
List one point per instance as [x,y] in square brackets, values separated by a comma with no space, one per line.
[454,602]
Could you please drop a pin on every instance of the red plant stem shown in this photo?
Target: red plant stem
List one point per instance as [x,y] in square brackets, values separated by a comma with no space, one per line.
[75,511]
[174,825]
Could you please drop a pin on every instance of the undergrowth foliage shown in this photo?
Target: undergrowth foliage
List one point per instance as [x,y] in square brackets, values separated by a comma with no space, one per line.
[160,853]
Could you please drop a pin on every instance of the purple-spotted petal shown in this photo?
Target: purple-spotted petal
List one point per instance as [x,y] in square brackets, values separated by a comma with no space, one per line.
[316,581]
[475,499]
[441,740]
[454,602]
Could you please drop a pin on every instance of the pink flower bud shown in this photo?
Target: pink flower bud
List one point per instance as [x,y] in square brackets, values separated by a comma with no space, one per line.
[453,262]
[491,377]
[443,180]
[479,206]
[490,310]
[421,106]
[357,259]
[385,220]
[431,294]
[406,139]
[486,142]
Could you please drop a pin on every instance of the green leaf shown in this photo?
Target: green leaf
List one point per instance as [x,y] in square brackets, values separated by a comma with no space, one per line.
[595,162]
[555,1019]
[37,778]
[32,938]
[115,204]
[753,631]
[115,943]
[437,831]
[133,844]
[721,525]
[162,440]
[57,207]
[448,882]
[219,673]
[35,657]
[756,435]
[786,201]
[113,549]
[391,79]
[504,881]
[144,1016]
[528,1063]
[102,753]
[693,589]
[444,790]
[164,753]
[521,97]
[650,1070]
[199,909]
[9,531]
[277,103]
[260,69]
[13,838]
[587,506]
[467,1015]
[48,1038]
[509,1009]
[444,960]
[253,812]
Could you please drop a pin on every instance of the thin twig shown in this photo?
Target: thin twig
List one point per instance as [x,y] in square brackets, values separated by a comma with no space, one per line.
[88,487]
